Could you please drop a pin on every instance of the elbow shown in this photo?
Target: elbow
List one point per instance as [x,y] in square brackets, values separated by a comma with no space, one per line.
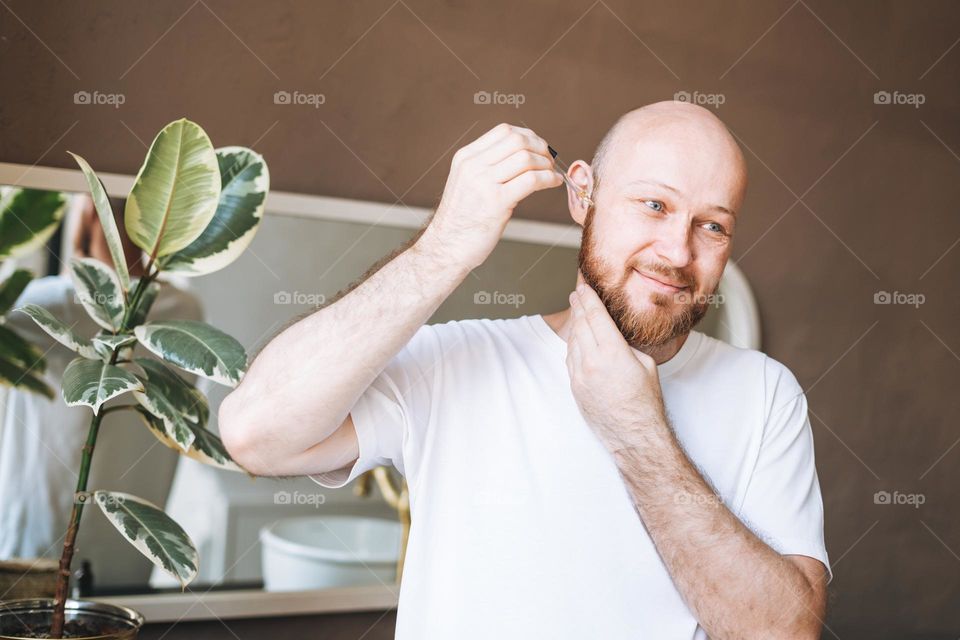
[236,435]
[805,626]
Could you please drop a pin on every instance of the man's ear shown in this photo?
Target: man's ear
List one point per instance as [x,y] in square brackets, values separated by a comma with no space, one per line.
[581,175]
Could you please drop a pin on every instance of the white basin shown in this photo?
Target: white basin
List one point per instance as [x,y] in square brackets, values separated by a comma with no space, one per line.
[316,552]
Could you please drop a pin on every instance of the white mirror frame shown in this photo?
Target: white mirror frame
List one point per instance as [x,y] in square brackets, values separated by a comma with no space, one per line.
[742,325]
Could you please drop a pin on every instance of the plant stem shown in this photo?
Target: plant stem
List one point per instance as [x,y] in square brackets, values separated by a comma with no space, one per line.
[80,495]
[63,578]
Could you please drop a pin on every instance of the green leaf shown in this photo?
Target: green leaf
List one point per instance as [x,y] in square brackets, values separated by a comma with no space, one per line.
[107,222]
[207,448]
[91,383]
[16,374]
[16,349]
[28,217]
[196,347]
[175,193]
[12,287]
[59,331]
[147,298]
[245,181]
[99,292]
[155,534]
[21,363]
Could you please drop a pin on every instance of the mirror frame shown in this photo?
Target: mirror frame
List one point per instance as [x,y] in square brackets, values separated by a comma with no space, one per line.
[254,603]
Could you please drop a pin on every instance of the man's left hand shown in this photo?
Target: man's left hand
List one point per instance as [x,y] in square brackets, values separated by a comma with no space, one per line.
[616,386]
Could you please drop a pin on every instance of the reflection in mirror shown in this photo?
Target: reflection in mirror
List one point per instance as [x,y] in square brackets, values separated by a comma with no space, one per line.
[273,533]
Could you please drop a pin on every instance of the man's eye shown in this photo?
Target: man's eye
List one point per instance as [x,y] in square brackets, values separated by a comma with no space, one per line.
[656,205]
[716,228]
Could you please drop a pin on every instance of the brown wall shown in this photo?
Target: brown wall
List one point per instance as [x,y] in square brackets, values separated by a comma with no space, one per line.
[879,183]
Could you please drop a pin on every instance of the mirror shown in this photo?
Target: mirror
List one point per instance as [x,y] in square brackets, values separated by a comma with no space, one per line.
[307,249]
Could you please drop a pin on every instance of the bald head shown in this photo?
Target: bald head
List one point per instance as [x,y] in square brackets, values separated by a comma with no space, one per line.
[658,233]
[689,127]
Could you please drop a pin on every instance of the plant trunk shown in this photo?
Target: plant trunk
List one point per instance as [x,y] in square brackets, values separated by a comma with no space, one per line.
[79,498]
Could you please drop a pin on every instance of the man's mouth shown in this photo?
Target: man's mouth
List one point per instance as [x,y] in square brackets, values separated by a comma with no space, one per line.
[660,283]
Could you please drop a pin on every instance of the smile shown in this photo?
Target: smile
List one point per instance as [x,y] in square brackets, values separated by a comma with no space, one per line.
[658,284]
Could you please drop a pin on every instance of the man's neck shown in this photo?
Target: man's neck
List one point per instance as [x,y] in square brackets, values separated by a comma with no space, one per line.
[561,320]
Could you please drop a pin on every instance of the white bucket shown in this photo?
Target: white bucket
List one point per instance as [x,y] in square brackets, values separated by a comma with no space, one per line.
[317,552]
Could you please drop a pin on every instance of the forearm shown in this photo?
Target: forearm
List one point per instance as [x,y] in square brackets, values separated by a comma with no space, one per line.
[736,585]
[302,385]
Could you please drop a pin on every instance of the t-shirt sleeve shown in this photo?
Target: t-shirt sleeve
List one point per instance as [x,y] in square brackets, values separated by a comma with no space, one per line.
[393,411]
[782,504]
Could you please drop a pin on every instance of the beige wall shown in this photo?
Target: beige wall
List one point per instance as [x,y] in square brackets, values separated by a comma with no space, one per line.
[878,183]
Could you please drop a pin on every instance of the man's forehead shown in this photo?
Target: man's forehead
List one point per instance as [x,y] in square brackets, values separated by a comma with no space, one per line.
[678,163]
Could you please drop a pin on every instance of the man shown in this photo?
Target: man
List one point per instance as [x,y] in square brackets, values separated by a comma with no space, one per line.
[600,472]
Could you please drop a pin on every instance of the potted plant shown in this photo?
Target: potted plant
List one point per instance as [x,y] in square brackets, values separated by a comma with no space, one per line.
[28,217]
[192,210]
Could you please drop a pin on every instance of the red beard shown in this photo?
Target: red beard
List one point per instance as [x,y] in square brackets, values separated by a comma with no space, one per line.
[672,315]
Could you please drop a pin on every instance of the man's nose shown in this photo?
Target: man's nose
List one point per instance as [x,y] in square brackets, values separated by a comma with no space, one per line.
[673,243]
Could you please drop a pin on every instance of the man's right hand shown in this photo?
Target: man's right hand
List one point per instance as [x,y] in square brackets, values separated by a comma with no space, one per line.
[488,178]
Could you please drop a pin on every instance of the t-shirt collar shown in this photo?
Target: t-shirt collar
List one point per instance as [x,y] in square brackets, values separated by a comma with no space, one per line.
[664,369]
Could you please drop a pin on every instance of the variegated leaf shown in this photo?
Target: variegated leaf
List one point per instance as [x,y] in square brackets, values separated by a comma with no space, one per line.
[155,534]
[59,331]
[106,343]
[176,191]
[196,347]
[191,402]
[207,448]
[99,292]
[107,222]
[170,399]
[91,383]
[245,181]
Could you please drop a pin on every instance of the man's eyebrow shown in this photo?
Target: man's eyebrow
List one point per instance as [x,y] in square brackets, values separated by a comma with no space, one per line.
[663,185]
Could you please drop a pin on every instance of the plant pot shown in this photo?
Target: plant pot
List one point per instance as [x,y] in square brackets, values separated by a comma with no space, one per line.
[84,619]
[29,577]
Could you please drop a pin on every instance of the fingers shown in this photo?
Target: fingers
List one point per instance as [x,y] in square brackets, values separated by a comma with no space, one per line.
[519,162]
[581,328]
[596,316]
[484,142]
[516,139]
[526,183]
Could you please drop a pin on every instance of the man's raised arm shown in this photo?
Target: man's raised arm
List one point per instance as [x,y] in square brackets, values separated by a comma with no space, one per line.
[290,414]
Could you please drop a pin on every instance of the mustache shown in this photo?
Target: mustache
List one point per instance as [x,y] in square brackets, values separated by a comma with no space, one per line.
[669,273]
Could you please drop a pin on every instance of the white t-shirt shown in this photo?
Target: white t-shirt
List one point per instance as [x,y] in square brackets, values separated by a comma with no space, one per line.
[522,526]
